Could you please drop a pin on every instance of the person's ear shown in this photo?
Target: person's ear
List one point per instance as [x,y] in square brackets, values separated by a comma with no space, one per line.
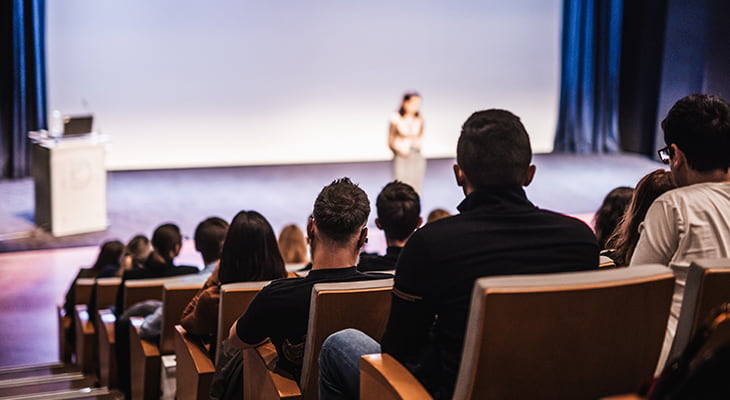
[529,175]
[377,223]
[677,156]
[362,239]
[459,175]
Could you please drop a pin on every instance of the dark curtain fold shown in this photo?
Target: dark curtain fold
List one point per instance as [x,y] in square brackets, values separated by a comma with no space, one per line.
[589,88]
[23,89]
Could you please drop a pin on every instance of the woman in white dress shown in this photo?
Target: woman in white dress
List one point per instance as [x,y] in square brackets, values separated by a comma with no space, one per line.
[405,139]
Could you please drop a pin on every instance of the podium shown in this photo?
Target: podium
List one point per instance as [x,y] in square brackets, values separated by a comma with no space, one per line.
[70,185]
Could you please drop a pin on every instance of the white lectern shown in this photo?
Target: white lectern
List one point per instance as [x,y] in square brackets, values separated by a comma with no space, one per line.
[70,185]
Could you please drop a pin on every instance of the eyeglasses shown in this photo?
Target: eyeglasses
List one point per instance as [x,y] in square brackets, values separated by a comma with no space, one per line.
[665,154]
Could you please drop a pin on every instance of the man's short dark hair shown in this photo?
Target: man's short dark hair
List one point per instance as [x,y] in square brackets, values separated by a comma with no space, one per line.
[165,238]
[399,208]
[209,237]
[699,125]
[494,148]
[341,210]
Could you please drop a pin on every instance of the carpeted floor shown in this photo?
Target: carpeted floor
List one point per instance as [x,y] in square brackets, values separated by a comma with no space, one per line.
[140,200]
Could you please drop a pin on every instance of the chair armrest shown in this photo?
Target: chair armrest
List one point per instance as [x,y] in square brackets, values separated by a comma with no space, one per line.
[194,370]
[65,348]
[85,339]
[260,382]
[145,364]
[384,378]
[107,360]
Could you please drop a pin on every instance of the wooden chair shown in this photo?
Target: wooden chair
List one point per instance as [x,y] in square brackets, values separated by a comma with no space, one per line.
[707,286]
[82,295]
[575,335]
[83,348]
[145,356]
[195,368]
[363,305]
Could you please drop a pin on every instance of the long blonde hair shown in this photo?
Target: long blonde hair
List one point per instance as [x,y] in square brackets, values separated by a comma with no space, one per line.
[293,245]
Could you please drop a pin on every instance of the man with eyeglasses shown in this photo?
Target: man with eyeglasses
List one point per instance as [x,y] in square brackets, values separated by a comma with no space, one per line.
[692,221]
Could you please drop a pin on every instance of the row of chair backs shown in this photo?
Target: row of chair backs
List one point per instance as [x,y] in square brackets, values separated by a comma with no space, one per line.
[363,305]
[570,336]
[175,297]
[106,292]
[83,289]
[707,286]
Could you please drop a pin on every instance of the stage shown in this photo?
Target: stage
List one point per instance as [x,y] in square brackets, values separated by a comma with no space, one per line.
[36,268]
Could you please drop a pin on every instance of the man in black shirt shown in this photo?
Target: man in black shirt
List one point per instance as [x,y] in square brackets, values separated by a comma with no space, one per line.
[399,214]
[498,232]
[280,312]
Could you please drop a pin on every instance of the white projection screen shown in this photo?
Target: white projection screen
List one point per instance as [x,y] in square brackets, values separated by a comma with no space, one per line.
[182,83]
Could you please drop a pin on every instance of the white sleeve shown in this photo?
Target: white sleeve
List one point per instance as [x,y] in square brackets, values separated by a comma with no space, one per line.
[659,235]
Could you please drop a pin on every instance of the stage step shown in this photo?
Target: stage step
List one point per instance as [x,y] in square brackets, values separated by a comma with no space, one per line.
[36,370]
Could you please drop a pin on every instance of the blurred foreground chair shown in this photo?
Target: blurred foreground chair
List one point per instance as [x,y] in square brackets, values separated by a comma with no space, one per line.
[363,305]
[551,336]
[67,348]
[195,367]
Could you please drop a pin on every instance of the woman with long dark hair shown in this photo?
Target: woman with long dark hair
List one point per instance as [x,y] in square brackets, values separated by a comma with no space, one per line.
[250,253]
[405,140]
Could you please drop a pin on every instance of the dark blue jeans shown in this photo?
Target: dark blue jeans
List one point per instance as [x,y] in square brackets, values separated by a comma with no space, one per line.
[339,363]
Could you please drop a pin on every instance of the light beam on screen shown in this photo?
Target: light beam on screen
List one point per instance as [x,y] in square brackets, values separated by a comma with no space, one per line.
[185,83]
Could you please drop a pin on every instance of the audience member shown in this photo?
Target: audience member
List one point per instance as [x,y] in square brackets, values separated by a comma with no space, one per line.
[293,245]
[498,232]
[437,214]
[610,212]
[622,242]
[250,253]
[399,214]
[280,312]
[135,254]
[692,221]
[209,236]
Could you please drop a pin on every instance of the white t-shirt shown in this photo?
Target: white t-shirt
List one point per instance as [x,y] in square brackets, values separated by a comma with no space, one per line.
[683,225]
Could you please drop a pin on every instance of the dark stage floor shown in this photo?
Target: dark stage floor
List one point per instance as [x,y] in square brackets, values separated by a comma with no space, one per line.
[140,200]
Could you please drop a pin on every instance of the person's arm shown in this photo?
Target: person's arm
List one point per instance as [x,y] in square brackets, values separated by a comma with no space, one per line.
[411,313]
[252,328]
[418,140]
[200,316]
[393,140]
[659,235]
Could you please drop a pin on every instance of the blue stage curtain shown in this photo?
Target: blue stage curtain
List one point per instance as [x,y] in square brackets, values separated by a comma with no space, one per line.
[23,89]
[589,82]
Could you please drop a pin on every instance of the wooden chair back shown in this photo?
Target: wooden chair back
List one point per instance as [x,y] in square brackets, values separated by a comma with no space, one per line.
[363,305]
[138,290]
[234,300]
[84,287]
[569,336]
[175,297]
[707,286]
[106,292]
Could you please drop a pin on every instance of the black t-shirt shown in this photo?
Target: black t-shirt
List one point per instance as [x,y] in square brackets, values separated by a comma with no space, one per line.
[499,232]
[280,311]
[374,262]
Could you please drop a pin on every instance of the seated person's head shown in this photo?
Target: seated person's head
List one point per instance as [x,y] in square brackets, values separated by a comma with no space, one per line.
[250,252]
[340,216]
[135,253]
[437,214]
[626,235]
[293,245]
[209,236]
[610,212]
[166,241]
[697,132]
[109,254]
[399,211]
[493,149]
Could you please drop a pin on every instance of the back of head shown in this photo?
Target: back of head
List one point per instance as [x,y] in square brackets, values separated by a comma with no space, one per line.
[250,252]
[399,210]
[626,234]
[340,211]
[293,244]
[109,254]
[136,252]
[437,214]
[699,125]
[209,236]
[610,212]
[166,241]
[494,148]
